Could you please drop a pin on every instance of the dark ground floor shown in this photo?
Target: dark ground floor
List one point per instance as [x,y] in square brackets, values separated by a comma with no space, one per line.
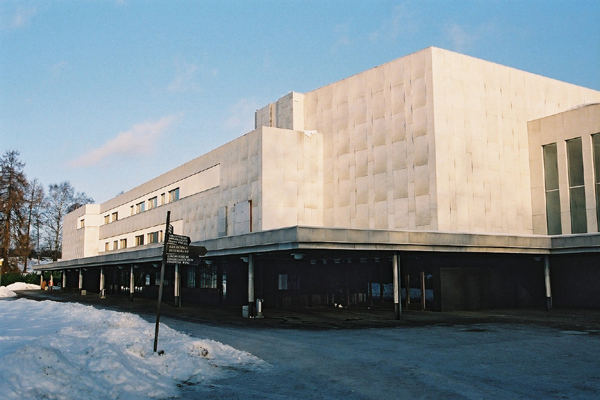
[354,279]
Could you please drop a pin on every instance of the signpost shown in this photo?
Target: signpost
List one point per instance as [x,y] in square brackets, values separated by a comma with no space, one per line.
[176,250]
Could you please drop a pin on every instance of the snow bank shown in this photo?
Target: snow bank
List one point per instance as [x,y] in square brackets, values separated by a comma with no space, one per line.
[56,350]
[5,292]
[23,286]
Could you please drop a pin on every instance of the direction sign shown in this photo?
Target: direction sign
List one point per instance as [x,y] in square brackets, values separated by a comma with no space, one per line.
[179,239]
[177,248]
[178,259]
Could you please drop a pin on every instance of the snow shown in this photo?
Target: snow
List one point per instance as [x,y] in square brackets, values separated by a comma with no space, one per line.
[51,350]
[5,292]
[23,286]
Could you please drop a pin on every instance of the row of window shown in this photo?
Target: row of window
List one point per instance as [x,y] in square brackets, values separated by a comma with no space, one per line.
[152,237]
[173,195]
[576,185]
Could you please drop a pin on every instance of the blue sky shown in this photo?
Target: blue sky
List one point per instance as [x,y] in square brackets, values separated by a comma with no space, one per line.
[109,94]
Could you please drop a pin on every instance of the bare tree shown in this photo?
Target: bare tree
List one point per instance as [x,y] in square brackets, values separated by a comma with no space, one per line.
[13,184]
[61,200]
[34,201]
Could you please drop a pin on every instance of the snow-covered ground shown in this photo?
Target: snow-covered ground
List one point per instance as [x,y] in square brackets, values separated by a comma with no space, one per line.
[51,350]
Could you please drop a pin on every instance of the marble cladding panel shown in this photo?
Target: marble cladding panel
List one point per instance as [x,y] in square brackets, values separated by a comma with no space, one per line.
[293,176]
[481,111]
[388,119]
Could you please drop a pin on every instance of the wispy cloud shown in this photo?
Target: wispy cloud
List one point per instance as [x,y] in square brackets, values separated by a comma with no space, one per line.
[17,19]
[184,78]
[342,36]
[140,139]
[459,38]
[241,116]
[401,22]
[462,37]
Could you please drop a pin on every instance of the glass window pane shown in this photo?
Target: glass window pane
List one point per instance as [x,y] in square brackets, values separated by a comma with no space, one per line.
[550,167]
[575,160]
[578,217]
[596,144]
[553,213]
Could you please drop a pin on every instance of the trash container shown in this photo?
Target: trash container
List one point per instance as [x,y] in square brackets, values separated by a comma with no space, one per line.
[259,303]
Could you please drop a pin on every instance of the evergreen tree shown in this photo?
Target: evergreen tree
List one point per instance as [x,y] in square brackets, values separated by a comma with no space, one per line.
[13,184]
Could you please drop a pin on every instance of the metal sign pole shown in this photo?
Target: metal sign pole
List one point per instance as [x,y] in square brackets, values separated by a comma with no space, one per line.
[162,277]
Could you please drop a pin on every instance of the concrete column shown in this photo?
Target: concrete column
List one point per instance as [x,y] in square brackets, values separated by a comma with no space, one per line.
[131,284]
[41,278]
[51,284]
[250,286]
[64,279]
[102,282]
[80,280]
[547,282]
[397,275]
[177,288]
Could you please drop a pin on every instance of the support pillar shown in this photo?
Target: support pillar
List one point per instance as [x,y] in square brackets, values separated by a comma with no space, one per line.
[397,275]
[422,290]
[51,284]
[250,286]
[407,291]
[547,282]
[177,288]
[131,284]
[42,279]
[81,281]
[102,282]
[64,279]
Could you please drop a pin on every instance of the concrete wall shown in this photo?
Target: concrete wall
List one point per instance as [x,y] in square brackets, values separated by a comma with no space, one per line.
[81,241]
[580,122]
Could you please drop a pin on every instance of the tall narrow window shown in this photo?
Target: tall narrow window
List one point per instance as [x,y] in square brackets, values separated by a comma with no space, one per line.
[596,144]
[139,240]
[116,245]
[123,243]
[173,195]
[191,277]
[162,199]
[551,188]
[152,203]
[576,186]
[106,219]
[115,216]
[140,207]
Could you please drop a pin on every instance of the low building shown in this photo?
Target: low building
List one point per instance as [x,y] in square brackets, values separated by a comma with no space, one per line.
[469,182]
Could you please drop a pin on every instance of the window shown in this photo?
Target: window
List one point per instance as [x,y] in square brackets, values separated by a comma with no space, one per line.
[140,207]
[115,216]
[551,188]
[208,276]
[162,199]
[139,240]
[116,245]
[283,281]
[106,219]
[147,280]
[153,237]
[132,210]
[173,195]
[106,246]
[160,236]
[596,146]
[576,186]
[123,243]
[152,203]
[191,277]
[82,223]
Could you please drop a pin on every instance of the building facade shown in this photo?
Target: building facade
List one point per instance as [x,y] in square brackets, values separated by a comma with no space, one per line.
[435,171]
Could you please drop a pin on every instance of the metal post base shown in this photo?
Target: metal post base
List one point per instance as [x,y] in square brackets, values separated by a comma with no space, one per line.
[131,296]
[549,303]
[397,311]
[177,301]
